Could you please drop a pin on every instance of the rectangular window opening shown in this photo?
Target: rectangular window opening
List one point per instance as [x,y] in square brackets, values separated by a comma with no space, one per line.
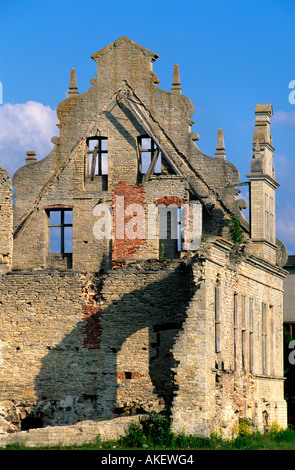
[60,231]
[251,335]
[236,325]
[264,339]
[150,157]
[244,331]
[97,156]
[217,320]
[272,339]
[170,234]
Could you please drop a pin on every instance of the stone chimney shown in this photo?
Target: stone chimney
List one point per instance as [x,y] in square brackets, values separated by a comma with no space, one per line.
[262,187]
[31,157]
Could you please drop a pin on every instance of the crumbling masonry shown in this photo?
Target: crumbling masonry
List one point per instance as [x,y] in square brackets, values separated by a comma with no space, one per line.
[112,301]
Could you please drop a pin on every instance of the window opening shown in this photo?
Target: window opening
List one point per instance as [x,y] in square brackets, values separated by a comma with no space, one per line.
[267,218]
[97,156]
[150,157]
[264,338]
[31,422]
[272,339]
[251,334]
[217,320]
[244,331]
[60,231]
[236,325]
[170,235]
[179,230]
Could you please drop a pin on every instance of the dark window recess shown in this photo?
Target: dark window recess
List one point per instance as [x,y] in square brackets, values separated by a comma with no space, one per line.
[170,236]
[31,422]
[97,156]
[290,327]
[150,157]
[60,231]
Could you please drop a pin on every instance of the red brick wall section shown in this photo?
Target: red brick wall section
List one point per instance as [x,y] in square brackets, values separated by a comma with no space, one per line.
[167,200]
[92,316]
[125,247]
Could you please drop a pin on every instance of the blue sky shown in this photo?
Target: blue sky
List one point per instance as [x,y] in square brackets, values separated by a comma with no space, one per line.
[232,55]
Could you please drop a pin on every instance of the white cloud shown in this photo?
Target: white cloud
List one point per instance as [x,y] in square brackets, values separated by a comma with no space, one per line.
[280,118]
[284,118]
[23,127]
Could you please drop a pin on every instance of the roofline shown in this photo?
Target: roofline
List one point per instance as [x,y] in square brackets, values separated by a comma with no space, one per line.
[122,39]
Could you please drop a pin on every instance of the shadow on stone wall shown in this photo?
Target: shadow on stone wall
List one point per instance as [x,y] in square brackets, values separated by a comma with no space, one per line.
[138,330]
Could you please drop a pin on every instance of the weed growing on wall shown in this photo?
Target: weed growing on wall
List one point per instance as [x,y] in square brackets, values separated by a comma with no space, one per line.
[235,230]
[154,431]
[162,253]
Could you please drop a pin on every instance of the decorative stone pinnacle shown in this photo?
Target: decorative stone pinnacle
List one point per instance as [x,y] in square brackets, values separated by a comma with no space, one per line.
[220,147]
[176,80]
[257,146]
[73,88]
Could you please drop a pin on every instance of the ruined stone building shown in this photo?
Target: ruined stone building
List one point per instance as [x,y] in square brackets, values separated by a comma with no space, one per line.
[130,279]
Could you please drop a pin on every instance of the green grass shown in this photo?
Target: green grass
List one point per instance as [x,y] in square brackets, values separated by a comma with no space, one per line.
[257,441]
[155,433]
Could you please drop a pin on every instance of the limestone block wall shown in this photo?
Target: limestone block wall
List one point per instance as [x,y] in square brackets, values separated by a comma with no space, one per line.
[144,242]
[146,304]
[91,249]
[235,316]
[76,434]
[69,186]
[75,347]
[148,335]
[44,364]
[29,180]
[6,221]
